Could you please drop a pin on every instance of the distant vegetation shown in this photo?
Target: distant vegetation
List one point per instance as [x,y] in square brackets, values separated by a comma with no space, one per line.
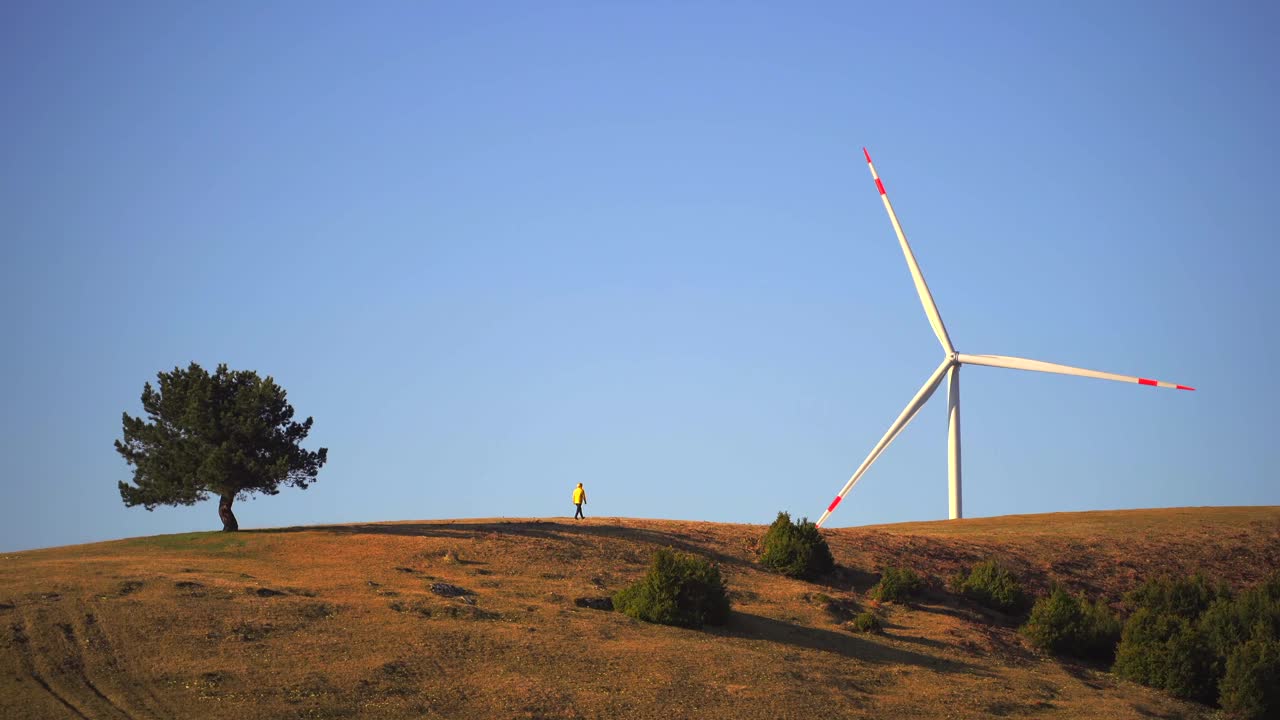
[992,584]
[795,549]
[679,589]
[1195,639]
[1200,641]
[229,434]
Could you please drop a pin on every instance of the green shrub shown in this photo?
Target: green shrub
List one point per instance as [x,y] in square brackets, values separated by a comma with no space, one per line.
[1054,622]
[897,585]
[1144,632]
[991,584]
[1244,634]
[679,589]
[1251,687]
[1189,666]
[1102,631]
[1225,626]
[795,549]
[1199,641]
[1186,598]
[866,622]
[1254,613]
[1068,625]
[1164,650]
[1175,638]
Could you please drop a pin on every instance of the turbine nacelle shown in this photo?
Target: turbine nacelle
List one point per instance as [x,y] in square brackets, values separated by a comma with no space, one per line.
[950,368]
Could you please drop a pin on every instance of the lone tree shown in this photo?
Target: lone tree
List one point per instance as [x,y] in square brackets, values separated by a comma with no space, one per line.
[228,434]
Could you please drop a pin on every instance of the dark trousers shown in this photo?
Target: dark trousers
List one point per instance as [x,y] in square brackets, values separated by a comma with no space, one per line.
[579,513]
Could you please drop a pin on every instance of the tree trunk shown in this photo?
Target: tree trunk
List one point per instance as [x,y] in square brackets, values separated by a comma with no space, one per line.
[229,523]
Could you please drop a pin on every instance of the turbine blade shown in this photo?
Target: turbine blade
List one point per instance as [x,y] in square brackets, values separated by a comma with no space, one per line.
[926,299]
[1016,363]
[908,413]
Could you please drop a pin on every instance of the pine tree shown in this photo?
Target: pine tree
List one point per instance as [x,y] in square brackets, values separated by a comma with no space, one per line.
[229,434]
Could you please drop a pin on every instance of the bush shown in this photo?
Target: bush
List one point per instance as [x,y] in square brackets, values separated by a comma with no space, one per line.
[1186,598]
[991,584]
[1230,622]
[1244,634]
[1102,631]
[1182,632]
[1068,625]
[1251,687]
[1142,632]
[679,589]
[1198,641]
[1055,623]
[896,585]
[1164,650]
[866,622]
[796,549]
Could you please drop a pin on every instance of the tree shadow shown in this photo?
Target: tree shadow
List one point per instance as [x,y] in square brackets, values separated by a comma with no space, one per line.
[850,579]
[1147,711]
[572,532]
[758,627]
[967,611]
[926,642]
[1085,672]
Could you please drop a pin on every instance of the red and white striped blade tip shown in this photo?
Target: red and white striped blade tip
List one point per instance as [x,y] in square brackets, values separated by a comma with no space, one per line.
[867,155]
[1157,383]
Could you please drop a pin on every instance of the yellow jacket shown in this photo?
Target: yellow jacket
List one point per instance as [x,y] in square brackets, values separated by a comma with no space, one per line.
[579,495]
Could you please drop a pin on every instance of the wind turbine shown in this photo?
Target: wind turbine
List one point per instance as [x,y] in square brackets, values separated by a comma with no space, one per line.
[950,368]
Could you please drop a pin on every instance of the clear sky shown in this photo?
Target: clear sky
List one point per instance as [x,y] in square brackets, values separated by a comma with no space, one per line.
[496,249]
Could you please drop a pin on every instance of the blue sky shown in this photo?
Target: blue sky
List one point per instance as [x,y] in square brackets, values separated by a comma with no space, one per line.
[498,249]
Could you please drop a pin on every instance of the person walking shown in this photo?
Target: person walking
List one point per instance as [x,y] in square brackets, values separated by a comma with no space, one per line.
[579,497]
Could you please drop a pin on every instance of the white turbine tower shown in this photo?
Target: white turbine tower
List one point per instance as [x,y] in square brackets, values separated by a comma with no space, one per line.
[950,367]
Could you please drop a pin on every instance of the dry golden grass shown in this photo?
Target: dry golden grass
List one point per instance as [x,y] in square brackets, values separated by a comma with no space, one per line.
[341,622]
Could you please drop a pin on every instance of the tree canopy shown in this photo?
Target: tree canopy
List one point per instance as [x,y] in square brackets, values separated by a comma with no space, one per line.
[229,435]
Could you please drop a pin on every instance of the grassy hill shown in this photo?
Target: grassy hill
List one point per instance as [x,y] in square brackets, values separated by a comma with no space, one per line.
[341,621]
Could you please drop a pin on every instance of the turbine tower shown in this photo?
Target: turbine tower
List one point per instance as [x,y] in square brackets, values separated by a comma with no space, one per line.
[950,368]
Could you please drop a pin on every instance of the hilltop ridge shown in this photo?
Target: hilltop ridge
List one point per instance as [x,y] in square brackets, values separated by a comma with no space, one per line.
[348,621]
